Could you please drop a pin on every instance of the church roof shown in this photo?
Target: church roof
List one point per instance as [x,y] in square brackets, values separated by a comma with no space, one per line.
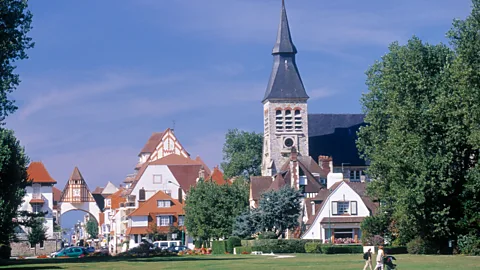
[335,135]
[285,81]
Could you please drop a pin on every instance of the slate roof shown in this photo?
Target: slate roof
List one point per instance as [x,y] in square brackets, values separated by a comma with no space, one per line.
[285,81]
[258,185]
[335,135]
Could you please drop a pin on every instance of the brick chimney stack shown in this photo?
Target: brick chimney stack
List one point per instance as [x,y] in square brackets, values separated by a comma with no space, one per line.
[325,163]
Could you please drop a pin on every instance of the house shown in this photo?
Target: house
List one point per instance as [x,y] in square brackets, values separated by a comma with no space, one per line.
[39,197]
[335,214]
[158,213]
[112,222]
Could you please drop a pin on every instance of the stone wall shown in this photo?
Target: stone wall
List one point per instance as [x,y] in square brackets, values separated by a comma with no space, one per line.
[23,248]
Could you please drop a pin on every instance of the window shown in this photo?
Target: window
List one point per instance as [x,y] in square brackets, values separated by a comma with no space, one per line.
[141,194]
[42,244]
[278,120]
[32,245]
[343,233]
[163,203]
[181,220]
[76,192]
[108,202]
[157,178]
[340,208]
[36,208]
[298,120]
[135,236]
[164,220]
[353,208]
[355,175]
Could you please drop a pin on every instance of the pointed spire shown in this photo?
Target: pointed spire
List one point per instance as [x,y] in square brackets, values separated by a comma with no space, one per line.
[76,175]
[285,81]
[284,42]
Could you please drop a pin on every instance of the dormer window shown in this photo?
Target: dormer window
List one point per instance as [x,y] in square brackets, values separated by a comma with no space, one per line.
[344,208]
[163,203]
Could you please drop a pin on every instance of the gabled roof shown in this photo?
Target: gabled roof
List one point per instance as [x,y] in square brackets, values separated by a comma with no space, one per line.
[150,206]
[205,167]
[258,185]
[174,159]
[217,176]
[57,194]
[116,198]
[152,142]
[98,190]
[186,175]
[76,175]
[37,173]
[109,189]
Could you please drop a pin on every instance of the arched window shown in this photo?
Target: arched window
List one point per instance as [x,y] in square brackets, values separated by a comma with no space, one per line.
[278,119]
[298,120]
[141,195]
[288,120]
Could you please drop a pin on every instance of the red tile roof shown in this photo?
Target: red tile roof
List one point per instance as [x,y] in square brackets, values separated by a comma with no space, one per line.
[186,175]
[205,167]
[152,143]
[217,176]
[174,159]
[137,230]
[37,173]
[150,206]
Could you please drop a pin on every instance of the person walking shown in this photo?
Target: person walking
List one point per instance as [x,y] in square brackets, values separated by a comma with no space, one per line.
[367,256]
[380,256]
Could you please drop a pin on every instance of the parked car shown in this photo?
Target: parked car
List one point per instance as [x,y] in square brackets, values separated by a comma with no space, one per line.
[56,252]
[176,249]
[72,252]
[90,249]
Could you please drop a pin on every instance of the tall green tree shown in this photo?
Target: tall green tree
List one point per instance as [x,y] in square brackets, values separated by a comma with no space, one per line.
[15,23]
[278,211]
[242,153]
[92,228]
[13,181]
[423,135]
[38,232]
[211,209]
[15,20]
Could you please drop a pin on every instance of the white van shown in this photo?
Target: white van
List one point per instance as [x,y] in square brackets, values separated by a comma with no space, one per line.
[165,244]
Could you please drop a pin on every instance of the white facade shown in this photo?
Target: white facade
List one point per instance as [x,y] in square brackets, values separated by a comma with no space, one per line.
[45,193]
[330,209]
[155,178]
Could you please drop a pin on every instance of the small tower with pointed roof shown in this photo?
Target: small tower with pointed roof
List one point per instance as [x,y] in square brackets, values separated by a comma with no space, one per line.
[284,104]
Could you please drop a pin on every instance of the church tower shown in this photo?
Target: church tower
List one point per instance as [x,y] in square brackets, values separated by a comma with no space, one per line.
[284,105]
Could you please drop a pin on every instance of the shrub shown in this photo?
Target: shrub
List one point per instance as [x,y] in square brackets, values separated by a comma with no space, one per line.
[5,252]
[339,249]
[420,246]
[313,247]
[232,242]
[268,235]
[243,250]
[218,247]
[198,243]
[469,244]
[42,256]
[280,246]
[396,250]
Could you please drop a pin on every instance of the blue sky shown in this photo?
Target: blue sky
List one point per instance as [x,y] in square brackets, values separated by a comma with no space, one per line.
[106,74]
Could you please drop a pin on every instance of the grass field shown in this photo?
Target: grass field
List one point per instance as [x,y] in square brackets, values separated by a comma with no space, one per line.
[244,262]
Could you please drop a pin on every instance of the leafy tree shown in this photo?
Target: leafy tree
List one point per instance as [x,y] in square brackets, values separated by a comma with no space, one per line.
[244,226]
[242,153]
[92,228]
[38,233]
[15,20]
[278,211]
[423,135]
[211,209]
[13,181]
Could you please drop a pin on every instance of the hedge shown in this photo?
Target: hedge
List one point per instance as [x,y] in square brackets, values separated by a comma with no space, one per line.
[5,252]
[219,247]
[240,250]
[313,247]
[340,249]
[396,250]
[232,242]
[280,246]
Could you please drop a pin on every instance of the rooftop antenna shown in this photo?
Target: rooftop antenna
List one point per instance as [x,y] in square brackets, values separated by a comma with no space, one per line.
[173,125]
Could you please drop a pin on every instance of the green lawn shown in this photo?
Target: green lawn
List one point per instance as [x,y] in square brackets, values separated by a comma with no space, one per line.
[245,262]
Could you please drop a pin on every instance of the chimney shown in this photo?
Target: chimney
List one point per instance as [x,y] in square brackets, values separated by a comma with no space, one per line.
[180,195]
[201,173]
[325,162]
[294,154]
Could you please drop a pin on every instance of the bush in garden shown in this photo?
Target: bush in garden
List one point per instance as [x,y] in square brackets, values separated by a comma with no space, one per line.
[313,247]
